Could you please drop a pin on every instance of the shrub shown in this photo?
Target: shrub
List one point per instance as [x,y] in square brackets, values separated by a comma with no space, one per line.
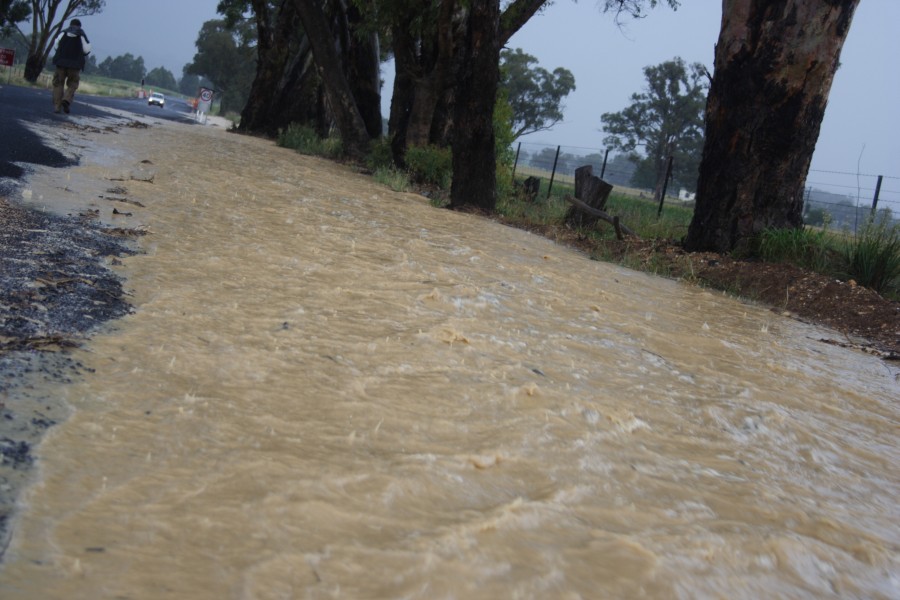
[305,140]
[430,164]
[380,155]
[394,179]
[873,256]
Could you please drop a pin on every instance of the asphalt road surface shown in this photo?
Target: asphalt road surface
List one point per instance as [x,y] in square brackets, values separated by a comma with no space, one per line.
[20,147]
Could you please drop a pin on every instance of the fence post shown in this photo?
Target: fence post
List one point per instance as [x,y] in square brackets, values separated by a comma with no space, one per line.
[662,196]
[516,164]
[603,169]
[877,191]
[553,173]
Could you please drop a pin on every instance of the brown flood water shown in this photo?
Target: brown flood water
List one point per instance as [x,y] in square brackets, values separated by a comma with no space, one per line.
[330,390]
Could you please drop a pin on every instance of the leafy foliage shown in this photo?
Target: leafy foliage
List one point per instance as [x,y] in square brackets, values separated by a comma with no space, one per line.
[430,164]
[126,66]
[13,12]
[380,154]
[161,77]
[535,94]
[666,119]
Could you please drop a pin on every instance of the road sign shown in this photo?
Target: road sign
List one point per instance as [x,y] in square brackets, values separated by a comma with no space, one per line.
[7,56]
[205,103]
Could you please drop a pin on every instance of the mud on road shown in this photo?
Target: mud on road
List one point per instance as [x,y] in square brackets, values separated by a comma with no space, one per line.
[56,287]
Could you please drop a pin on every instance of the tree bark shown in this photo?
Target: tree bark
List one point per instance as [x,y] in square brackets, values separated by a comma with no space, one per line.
[340,97]
[427,69]
[474,153]
[424,71]
[774,66]
[283,90]
[364,71]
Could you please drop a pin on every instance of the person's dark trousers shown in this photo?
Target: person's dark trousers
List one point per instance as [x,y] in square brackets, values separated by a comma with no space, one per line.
[68,79]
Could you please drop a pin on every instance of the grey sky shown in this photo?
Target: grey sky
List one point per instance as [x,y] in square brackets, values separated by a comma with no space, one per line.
[607,63]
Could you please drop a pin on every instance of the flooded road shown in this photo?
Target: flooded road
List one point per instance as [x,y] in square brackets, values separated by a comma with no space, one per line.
[330,390]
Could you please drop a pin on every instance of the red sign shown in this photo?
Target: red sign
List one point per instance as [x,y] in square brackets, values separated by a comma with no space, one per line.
[7,56]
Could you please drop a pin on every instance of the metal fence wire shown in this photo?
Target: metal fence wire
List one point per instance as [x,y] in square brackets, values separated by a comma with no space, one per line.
[844,199]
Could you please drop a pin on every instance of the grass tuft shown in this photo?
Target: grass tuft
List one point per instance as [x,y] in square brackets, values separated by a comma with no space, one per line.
[873,256]
[305,140]
[394,179]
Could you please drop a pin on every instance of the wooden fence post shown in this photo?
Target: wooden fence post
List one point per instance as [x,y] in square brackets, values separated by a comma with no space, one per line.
[662,196]
[516,164]
[877,191]
[553,173]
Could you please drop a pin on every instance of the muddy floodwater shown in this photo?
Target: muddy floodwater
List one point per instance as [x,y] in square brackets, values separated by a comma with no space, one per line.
[331,390]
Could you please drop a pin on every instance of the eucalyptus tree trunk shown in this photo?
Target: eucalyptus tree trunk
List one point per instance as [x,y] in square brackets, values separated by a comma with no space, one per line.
[474,152]
[428,69]
[774,65]
[286,88]
[362,59]
[338,92]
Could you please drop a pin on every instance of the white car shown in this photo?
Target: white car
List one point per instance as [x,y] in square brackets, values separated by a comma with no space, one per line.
[157,99]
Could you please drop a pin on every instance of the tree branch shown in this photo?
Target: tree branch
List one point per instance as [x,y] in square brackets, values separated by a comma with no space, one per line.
[516,15]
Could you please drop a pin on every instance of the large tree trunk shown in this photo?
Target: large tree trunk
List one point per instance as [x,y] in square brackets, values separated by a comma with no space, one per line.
[774,65]
[364,70]
[281,48]
[39,47]
[474,152]
[343,106]
[428,67]
[423,58]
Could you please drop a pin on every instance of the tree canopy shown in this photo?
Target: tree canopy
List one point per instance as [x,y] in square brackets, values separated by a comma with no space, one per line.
[161,77]
[126,66]
[13,12]
[534,94]
[666,119]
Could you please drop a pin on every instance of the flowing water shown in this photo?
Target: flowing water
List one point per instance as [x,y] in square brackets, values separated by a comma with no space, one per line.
[330,390]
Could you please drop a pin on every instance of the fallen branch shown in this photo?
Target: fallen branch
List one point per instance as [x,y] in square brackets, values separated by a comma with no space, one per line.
[621,229]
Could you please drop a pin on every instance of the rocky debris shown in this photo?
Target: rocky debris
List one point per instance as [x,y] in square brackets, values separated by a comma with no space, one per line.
[56,287]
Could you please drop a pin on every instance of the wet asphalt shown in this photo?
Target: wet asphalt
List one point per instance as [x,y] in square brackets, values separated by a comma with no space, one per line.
[19,146]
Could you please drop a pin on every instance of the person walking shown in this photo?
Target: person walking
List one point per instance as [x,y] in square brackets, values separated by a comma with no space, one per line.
[71,50]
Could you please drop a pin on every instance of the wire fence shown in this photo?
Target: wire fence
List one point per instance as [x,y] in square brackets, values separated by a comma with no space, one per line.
[845,200]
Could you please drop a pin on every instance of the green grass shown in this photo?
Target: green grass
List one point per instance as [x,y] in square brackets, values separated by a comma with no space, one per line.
[304,140]
[637,213]
[808,248]
[394,179]
[873,256]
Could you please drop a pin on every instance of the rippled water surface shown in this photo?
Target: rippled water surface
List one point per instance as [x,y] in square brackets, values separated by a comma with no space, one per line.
[330,390]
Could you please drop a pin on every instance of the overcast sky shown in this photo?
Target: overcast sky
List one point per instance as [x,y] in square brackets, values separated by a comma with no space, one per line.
[862,115]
